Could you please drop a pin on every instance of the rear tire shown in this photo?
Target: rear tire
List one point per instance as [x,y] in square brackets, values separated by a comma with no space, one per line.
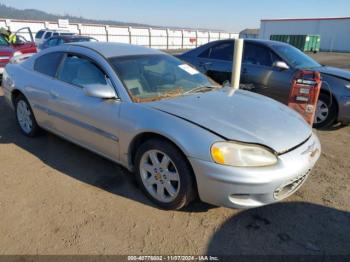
[25,117]
[326,112]
[164,174]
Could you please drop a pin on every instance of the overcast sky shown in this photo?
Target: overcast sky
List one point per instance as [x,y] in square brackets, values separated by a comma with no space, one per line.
[228,15]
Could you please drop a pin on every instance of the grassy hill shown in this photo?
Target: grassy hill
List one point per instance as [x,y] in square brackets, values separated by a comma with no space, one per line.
[33,14]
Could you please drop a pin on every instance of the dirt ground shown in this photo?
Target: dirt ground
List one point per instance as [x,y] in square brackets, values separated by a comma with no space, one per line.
[57,198]
[333,59]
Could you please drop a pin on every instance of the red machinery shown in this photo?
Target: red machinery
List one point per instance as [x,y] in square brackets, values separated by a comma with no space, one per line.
[304,94]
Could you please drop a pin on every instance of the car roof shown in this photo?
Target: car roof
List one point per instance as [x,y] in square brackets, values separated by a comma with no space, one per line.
[258,41]
[266,42]
[109,50]
[56,30]
[71,37]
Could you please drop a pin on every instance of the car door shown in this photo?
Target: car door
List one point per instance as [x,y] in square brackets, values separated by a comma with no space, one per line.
[38,87]
[25,41]
[53,41]
[38,36]
[47,35]
[216,62]
[88,121]
[60,41]
[48,43]
[261,76]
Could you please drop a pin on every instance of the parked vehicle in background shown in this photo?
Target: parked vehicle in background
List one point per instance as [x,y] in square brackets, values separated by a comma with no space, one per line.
[268,68]
[62,39]
[45,34]
[24,45]
[179,132]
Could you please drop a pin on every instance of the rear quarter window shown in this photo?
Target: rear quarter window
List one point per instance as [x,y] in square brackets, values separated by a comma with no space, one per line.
[48,35]
[39,34]
[206,53]
[222,51]
[48,64]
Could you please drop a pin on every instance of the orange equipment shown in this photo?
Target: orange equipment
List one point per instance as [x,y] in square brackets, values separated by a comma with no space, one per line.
[304,94]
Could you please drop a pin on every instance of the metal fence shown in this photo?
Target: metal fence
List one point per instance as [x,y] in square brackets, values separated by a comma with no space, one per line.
[160,38]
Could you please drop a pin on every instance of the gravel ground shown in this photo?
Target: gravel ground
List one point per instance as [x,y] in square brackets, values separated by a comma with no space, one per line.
[57,198]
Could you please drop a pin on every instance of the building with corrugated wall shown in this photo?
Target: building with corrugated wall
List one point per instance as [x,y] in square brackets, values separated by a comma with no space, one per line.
[334,32]
[249,33]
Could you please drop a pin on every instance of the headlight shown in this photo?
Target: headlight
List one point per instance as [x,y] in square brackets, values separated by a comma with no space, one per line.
[242,155]
[347,86]
[17,53]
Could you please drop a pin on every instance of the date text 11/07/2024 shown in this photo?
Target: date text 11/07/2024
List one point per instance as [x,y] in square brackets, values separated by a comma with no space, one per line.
[173,258]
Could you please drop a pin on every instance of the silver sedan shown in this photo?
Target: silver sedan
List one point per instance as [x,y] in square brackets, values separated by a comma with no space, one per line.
[180,133]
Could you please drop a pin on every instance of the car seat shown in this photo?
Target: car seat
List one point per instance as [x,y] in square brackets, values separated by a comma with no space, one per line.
[132,77]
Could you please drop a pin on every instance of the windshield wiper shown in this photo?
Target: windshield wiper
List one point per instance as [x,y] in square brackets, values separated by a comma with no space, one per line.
[202,89]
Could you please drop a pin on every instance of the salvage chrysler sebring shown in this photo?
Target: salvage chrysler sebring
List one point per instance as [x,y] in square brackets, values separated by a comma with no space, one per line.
[180,133]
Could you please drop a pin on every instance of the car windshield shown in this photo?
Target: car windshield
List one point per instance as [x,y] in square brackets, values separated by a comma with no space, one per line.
[295,57]
[154,77]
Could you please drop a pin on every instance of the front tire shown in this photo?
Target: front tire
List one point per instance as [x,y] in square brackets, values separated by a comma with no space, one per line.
[326,112]
[164,175]
[25,117]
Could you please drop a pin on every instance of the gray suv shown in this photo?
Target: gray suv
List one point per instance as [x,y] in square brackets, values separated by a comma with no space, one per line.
[268,68]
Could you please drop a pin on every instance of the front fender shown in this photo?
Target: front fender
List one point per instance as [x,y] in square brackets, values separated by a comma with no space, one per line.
[136,119]
[340,93]
[334,85]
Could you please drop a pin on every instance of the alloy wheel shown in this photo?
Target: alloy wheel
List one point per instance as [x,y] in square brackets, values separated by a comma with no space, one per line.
[24,116]
[159,176]
[322,112]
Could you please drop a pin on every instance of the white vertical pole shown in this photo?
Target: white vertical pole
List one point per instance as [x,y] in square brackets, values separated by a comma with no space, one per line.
[183,39]
[237,63]
[150,37]
[167,38]
[130,35]
[107,33]
[80,28]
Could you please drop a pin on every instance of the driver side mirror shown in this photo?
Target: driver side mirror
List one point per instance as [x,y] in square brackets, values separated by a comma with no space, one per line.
[281,65]
[100,91]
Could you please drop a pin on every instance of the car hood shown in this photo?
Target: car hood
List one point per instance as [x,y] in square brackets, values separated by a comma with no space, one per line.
[333,71]
[244,117]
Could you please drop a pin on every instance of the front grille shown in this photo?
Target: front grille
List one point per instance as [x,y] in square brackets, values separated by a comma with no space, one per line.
[290,187]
